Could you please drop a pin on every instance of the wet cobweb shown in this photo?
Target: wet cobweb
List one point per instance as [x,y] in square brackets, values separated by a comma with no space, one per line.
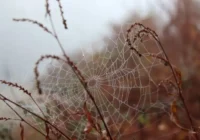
[127,87]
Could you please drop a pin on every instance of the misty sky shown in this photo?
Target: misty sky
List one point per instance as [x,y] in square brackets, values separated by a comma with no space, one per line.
[21,44]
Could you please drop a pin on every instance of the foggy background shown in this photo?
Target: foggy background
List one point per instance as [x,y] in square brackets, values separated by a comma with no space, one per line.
[90,23]
[21,44]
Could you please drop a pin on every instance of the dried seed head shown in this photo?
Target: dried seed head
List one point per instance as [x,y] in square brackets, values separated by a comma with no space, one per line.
[37,72]
[34,22]
[48,12]
[62,14]
[16,86]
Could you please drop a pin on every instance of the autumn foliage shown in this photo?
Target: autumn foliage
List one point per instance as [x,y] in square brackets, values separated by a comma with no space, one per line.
[149,90]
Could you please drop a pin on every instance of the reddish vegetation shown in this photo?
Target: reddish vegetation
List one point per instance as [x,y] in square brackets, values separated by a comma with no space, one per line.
[179,92]
[181,40]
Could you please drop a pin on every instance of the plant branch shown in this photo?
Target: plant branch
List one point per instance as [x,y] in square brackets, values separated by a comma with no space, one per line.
[146,30]
[22,119]
[34,114]
[80,77]
[15,85]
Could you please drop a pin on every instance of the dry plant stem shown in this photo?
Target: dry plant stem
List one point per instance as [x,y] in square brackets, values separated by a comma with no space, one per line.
[7,119]
[62,14]
[176,80]
[48,12]
[37,72]
[22,119]
[34,114]
[146,30]
[69,62]
[52,57]
[26,92]
[80,77]
[179,90]
[33,22]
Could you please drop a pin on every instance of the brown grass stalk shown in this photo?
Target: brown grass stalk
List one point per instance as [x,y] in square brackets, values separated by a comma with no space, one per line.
[80,78]
[48,12]
[36,72]
[15,85]
[33,22]
[62,14]
[5,100]
[148,31]
[23,90]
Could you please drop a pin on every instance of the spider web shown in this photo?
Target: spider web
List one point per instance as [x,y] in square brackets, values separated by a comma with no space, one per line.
[125,86]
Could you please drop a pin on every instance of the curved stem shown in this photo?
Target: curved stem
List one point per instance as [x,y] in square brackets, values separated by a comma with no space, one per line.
[80,78]
[179,89]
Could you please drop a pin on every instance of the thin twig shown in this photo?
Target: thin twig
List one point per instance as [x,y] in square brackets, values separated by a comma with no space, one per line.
[34,114]
[80,78]
[26,92]
[22,119]
[48,12]
[62,14]
[155,37]
[36,72]
[179,91]
[34,22]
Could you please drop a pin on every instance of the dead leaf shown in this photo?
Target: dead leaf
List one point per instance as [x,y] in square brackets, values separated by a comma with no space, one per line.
[90,122]
[22,131]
